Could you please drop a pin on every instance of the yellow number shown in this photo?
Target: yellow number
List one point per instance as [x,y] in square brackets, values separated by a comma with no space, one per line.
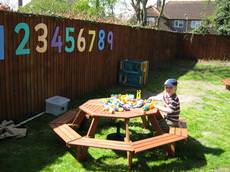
[81,41]
[93,33]
[42,38]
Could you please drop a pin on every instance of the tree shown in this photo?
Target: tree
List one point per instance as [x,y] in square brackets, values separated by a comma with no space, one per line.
[140,10]
[222,17]
[219,22]
[161,14]
[98,8]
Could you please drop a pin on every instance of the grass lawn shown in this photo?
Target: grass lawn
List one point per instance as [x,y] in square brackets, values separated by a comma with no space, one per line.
[204,102]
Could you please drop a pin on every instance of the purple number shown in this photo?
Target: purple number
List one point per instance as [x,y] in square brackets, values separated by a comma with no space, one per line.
[56,40]
[110,39]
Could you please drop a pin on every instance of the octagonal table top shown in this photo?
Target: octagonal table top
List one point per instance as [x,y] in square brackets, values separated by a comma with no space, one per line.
[94,107]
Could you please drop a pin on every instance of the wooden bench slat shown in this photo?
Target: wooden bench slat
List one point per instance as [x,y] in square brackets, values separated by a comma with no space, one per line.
[154,140]
[157,143]
[61,134]
[172,130]
[150,139]
[184,132]
[179,131]
[65,118]
[99,143]
[65,132]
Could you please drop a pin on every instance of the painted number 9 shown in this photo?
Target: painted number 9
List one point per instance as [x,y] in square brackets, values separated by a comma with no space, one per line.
[110,40]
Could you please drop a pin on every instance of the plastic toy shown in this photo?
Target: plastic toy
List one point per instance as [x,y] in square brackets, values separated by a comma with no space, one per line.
[126,102]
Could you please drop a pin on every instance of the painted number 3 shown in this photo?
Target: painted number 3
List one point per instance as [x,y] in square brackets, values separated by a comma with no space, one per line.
[56,41]
[42,38]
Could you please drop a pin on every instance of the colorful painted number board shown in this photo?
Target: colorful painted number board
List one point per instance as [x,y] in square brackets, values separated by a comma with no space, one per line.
[1,42]
[73,41]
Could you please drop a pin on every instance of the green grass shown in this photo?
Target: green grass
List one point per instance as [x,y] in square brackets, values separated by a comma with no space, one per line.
[204,103]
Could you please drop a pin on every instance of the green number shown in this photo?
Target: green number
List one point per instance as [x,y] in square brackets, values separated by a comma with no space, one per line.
[70,39]
[21,50]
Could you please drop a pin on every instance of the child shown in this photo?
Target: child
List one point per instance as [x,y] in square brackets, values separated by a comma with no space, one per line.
[169,114]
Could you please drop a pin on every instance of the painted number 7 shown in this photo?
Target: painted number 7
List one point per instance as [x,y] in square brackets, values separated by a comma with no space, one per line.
[93,33]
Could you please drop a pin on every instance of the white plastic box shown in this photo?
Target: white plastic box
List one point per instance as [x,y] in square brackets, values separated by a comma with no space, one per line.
[57,105]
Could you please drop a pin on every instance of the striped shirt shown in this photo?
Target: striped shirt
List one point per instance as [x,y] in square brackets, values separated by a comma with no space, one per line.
[173,103]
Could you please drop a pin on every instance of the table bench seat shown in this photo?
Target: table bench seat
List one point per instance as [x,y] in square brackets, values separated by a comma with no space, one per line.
[65,118]
[154,142]
[65,132]
[99,143]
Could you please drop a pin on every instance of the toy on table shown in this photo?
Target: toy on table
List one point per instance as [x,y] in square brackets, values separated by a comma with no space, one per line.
[150,104]
[126,102]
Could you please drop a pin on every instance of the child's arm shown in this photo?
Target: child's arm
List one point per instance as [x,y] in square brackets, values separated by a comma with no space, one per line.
[164,109]
[157,98]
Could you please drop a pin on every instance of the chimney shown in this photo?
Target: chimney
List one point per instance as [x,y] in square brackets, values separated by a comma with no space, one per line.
[158,4]
[19,3]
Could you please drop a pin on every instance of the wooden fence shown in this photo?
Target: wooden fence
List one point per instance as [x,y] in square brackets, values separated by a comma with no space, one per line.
[44,56]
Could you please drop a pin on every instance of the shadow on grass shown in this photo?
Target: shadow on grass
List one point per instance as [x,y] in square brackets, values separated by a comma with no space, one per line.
[39,148]
[189,155]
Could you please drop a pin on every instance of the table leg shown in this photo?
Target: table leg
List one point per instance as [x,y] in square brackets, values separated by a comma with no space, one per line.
[145,122]
[82,151]
[93,127]
[127,139]
[78,119]
[155,124]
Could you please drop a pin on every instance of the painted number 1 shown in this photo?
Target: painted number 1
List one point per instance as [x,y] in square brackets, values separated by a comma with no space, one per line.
[1,42]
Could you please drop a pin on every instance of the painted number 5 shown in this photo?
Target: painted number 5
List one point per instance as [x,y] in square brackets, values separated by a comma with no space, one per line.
[42,38]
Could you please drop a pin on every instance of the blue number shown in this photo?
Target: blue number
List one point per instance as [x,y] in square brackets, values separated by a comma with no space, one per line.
[70,39]
[1,42]
[21,50]
[101,40]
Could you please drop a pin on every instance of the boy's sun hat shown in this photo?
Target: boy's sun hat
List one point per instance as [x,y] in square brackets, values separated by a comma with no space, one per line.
[171,83]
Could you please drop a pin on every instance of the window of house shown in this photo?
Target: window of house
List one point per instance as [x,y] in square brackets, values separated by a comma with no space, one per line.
[178,23]
[195,24]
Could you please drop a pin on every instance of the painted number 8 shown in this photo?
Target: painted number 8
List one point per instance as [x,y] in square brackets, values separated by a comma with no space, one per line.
[101,40]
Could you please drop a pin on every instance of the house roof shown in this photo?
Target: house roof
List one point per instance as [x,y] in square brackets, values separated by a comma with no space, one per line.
[184,10]
[152,11]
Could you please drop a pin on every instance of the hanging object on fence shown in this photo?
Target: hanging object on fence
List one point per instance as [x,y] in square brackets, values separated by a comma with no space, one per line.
[133,73]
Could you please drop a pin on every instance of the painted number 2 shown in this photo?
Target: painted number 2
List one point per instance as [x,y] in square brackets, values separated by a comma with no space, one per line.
[21,50]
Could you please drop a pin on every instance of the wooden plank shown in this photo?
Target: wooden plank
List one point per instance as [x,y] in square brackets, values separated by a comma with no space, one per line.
[99,143]
[93,126]
[65,132]
[184,132]
[152,139]
[154,144]
[155,124]
[65,118]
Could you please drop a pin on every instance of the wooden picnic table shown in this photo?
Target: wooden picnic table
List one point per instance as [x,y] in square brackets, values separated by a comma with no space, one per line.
[94,109]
